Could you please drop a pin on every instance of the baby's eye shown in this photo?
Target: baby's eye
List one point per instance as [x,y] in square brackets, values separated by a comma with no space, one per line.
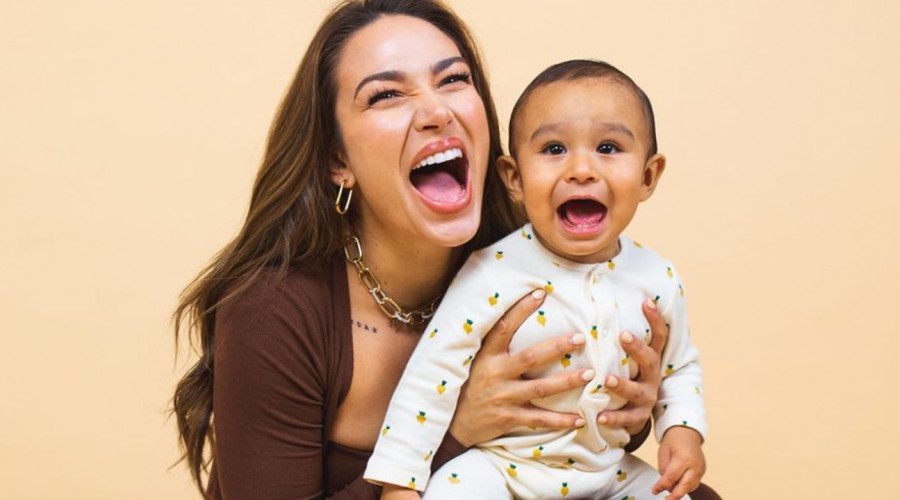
[554,149]
[380,96]
[607,149]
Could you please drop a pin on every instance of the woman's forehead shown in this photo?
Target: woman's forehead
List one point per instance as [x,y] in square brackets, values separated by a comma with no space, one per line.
[393,43]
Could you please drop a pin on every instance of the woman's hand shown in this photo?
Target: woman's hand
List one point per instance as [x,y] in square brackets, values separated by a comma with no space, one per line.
[642,392]
[496,399]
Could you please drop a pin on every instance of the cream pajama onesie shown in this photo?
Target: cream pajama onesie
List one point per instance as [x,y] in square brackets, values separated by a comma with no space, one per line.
[599,300]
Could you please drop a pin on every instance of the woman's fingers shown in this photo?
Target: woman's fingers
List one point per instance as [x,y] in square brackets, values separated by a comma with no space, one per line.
[537,418]
[551,385]
[546,352]
[658,326]
[646,357]
[497,339]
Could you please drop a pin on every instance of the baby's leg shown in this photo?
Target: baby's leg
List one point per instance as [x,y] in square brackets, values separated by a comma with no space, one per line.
[470,475]
[634,480]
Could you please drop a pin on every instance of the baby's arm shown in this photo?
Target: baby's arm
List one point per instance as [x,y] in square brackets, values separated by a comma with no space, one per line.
[425,399]
[680,415]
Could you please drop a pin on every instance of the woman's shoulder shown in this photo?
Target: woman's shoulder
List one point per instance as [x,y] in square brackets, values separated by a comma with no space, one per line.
[297,303]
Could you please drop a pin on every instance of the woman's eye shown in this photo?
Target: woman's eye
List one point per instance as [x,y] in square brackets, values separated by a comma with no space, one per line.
[607,149]
[457,77]
[554,149]
[380,96]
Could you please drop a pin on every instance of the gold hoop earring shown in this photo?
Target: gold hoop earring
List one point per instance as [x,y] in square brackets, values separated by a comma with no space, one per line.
[342,208]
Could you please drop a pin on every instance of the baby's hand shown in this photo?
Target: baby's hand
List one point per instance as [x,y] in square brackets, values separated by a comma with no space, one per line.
[393,492]
[681,462]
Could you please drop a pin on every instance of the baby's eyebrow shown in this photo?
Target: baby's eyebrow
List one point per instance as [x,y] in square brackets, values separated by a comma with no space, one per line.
[397,76]
[597,124]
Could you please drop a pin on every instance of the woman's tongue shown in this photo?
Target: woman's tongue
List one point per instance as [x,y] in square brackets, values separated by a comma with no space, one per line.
[583,212]
[438,185]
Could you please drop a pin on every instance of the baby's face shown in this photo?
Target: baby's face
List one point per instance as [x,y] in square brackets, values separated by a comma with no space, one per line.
[581,151]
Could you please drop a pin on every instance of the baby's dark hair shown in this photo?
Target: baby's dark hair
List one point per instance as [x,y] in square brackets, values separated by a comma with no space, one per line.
[576,69]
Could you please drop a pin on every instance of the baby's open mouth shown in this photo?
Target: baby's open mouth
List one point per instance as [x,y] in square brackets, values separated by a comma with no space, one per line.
[582,214]
[441,177]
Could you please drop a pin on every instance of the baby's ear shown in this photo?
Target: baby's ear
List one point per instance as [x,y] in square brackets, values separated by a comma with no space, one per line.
[509,172]
[653,170]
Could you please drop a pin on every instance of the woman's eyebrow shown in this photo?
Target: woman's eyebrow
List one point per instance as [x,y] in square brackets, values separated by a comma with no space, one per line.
[397,76]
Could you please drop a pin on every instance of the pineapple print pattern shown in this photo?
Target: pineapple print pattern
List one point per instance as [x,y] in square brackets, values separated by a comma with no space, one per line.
[453,478]
[433,333]
[594,332]
[428,455]
[537,451]
[511,470]
[549,287]
[412,483]
[621,475]
[467,326]
[442,387]
[564,490]
[385,430]
[492,300]
[566,360]
[421,417]
[542,318]
[498,255]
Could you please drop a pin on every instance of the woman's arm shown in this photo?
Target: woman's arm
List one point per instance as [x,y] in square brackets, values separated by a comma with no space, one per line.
[269,396]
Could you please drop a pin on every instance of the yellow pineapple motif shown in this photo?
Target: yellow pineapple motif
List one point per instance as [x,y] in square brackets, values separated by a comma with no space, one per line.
[498,255]
[511,470]
[525,235]
[428,455]
[638,244]
[611,265]
[433,333]
[541,318]
[492,300]
[467,326]
[467,360]
[670,369]
[597,389]
[625,360]
[656,299]
[696,390]
[566,360]
[628,497]
[453,478]
[385,430]
[549,287]
[564,490]
[621,475]
[442,387]
[594,331]
[537,451]
[680,290]
[669,271]
[421,417]
[412,483]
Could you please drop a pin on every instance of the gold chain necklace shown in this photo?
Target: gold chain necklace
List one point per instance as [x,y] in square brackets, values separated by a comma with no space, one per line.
[393,310]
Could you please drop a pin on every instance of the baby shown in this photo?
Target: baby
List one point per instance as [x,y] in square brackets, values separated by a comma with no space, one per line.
[583,146]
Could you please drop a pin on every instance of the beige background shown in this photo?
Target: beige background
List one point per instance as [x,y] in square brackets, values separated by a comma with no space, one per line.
[130,133]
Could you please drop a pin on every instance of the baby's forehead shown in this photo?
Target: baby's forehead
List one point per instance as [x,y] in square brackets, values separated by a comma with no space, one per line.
[580,102]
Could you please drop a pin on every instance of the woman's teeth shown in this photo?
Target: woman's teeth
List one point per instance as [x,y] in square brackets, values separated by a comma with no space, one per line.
[450,154]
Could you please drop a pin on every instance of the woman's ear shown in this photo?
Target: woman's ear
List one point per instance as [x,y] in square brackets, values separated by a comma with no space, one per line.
[341,173]
[509,172]
[653,170]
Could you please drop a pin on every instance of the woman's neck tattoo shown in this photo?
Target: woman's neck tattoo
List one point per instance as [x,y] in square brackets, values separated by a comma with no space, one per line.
[363,326]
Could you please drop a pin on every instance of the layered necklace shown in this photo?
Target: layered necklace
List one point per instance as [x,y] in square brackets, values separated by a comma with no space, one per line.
[397,314]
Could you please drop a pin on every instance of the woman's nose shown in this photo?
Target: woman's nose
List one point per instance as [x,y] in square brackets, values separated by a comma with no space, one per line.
[432,113]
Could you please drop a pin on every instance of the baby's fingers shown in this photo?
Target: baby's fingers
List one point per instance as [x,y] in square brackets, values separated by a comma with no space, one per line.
[670,476]
[689,482]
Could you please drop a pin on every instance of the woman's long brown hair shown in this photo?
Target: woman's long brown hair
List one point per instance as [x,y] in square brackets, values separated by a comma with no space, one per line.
[291,221]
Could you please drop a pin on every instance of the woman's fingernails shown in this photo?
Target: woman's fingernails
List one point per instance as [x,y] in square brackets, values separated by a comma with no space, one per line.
[538,294]
[627,337]
[651,303]
[578,339]
[580,422]
[612,382]
[588,375]
[602,419]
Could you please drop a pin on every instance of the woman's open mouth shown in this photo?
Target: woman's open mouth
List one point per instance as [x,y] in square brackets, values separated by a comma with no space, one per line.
[442,179]
[582,216]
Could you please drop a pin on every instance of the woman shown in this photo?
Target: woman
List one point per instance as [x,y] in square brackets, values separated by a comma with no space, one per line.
[377,180]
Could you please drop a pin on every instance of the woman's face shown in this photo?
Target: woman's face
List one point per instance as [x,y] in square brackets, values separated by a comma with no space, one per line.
[415,133]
